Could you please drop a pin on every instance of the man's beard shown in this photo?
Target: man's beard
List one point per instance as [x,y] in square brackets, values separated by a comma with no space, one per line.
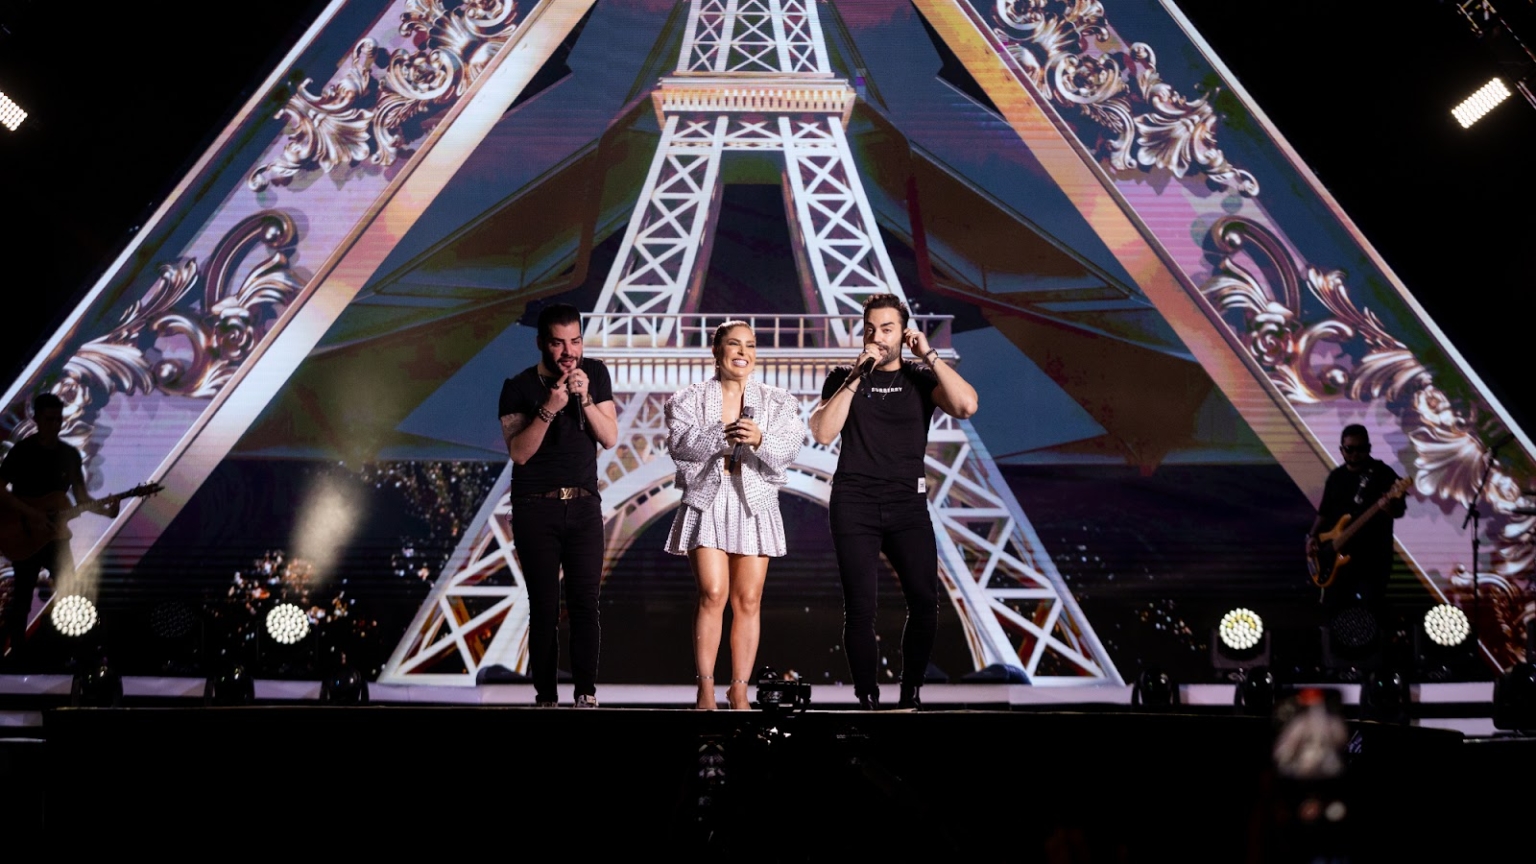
[551,363]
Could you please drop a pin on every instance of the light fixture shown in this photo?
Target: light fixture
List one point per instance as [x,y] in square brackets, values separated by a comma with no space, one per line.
[11,114]
[777,692]
[1239,641]
[1352,643]
[343,682]
[996,673]
[172,620]
[1484,100]
[1353,628]
[1385,696]
[232,686]
[1446,625]
[345,685]
[1154,690]
[1255,692]
[287,624]
[1514,698]
[96,685]
[1241,629]
[73,615]
[1442,645]
[177,643]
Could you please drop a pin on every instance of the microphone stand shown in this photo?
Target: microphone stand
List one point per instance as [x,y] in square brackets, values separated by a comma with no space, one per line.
[1473,514]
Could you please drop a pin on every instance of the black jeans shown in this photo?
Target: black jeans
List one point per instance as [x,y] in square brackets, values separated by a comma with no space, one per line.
[550,536]
[59,561]
[899,526]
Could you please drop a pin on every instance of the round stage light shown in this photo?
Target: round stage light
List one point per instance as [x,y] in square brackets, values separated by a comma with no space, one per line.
[73,615]
[287,623]
[1241,629]
[1447,626]
[172,620]
[1353,628]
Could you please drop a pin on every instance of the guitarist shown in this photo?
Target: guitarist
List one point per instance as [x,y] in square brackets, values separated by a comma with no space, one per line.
[41,466]
[1351,489]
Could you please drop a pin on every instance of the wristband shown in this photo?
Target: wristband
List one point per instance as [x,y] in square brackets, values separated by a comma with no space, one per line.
[932,356]
[546,415]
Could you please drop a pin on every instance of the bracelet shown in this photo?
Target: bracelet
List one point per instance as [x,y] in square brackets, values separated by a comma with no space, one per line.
[546,415]
[932,356]
[586,400]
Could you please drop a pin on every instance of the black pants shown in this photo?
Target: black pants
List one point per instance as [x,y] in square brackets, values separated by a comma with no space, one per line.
[59,561]
[553,535]
[899,526]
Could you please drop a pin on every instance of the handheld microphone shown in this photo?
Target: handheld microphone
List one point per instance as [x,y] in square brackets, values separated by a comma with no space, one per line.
[581,416]
[867,366]
[737,454]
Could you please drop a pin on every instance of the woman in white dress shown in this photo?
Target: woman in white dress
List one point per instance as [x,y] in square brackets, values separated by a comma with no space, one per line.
[730,465]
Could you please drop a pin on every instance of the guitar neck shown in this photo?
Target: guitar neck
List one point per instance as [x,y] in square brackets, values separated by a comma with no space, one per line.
[1355,525]
[76,510]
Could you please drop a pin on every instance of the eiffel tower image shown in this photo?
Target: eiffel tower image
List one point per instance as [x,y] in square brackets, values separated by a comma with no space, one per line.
[330,277]
[753,75]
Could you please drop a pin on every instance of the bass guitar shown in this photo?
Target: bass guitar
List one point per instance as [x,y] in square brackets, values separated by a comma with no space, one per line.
[1326,558]
[21,538]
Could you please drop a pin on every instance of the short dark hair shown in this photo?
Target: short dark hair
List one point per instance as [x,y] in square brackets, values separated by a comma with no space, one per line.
[719,337]
[1355,430]
[886,301]
[556,313]
[45,400]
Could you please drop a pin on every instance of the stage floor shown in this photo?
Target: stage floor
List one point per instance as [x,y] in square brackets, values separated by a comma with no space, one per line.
[1464,707]
[1035,782]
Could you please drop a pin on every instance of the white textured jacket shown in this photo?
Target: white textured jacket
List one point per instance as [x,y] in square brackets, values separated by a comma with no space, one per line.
[696,442]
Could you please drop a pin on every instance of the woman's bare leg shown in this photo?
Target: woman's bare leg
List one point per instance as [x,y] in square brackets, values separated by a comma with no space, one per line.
[711,570]
[748,572]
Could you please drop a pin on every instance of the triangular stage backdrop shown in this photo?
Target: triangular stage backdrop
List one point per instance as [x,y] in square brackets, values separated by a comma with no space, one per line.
[1159,305]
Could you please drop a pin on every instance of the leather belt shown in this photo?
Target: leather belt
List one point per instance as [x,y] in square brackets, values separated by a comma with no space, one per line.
[563,493]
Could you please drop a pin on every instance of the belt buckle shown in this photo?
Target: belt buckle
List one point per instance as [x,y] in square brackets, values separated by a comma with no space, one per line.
[568,492]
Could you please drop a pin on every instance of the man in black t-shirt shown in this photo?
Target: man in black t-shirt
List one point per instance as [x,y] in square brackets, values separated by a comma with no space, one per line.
[41,472]
[1352,489]
[882,406]
[554,416]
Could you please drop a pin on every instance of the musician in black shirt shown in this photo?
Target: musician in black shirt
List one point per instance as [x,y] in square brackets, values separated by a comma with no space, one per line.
[1351,490]
[882,406]
[42,471]
[554,416]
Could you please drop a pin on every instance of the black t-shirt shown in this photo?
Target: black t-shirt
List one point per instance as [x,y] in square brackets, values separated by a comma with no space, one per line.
[34,470]
[568,456]
[886,433]
[1352,493]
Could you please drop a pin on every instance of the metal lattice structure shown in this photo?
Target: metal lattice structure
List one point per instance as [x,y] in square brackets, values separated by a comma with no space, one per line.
[777,37]
[754,76]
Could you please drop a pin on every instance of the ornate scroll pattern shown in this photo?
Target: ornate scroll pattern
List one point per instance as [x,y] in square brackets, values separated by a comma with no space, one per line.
[1348,353]
[177,339]
[1150,125]
[377,104]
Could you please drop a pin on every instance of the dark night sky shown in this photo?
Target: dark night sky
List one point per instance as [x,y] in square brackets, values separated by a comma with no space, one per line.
[120,107]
